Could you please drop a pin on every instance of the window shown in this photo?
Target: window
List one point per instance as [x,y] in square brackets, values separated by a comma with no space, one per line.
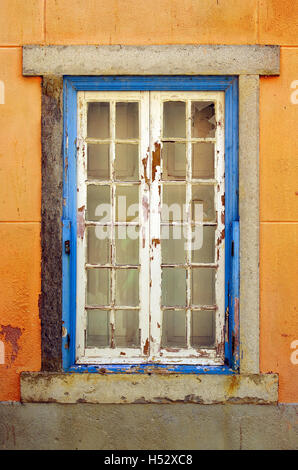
[150,223]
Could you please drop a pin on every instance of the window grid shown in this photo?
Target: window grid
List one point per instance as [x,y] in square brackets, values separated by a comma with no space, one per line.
[83,182]
[189,141]
[169,354]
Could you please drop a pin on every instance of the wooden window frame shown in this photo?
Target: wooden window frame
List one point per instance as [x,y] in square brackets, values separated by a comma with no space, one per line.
[227,84]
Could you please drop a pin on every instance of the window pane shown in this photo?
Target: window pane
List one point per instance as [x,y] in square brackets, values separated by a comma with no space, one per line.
[98,245]
[127,162]
[204,252]
[98,120]
[127,249]
[127,120]
[174,161]
[173,202]
[203,119]
[127,287]
[203,160]
[173,287]
[174,119]
[127,329]
[203,286]
[98,203]
[173,245]
[203,203]
[98,330]
[127,203]
[98,161]
[202,328]
[98,286]
[173,329]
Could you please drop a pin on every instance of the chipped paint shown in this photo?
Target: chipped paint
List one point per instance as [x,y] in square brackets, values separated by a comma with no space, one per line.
[146,347]
[12,335]
[145,205]
[81,222]
[145,168]
[156,159]
[235,333]
[155,242]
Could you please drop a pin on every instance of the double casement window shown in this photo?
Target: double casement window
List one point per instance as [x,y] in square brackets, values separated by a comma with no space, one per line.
[149,275]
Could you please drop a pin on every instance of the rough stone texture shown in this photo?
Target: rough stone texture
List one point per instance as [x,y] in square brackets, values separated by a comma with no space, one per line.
[51,212]
[150,60]
[144,388]
[157,427]
[249,221]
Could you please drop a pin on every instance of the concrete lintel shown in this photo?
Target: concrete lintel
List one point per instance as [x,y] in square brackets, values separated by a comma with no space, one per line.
[43,387]
[151,60]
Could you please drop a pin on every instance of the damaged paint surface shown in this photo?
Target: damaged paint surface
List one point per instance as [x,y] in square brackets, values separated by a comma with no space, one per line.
[11,335]
[143,389]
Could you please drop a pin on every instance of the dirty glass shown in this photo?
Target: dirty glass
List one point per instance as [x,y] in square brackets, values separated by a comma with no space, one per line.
[174,119]
[202,328]
[98,329]
[127,329]
[173,329]
[127,120]
[98,161]
[98,120]
[127,162]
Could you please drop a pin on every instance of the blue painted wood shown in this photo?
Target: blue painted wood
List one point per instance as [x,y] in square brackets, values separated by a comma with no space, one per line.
[66,276]
[158,83]
[231,209]
[69,213]
[228,84]
[235,285]
[149,368]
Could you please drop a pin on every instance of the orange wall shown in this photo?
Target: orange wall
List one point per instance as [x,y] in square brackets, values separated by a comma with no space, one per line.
[145,22]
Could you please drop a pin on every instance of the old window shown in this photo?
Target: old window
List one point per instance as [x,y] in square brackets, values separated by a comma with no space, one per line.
[145,243]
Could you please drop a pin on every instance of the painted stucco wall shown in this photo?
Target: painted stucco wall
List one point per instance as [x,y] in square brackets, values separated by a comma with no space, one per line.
[65,22]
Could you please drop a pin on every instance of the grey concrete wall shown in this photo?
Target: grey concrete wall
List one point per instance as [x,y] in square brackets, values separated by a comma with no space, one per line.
[157,427]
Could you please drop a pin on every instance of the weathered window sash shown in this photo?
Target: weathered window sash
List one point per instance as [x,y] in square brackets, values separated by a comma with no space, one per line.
[150,189]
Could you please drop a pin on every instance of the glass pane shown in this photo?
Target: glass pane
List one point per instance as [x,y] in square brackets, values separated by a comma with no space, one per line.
[127,329]
[173,329]
[174,161]
[127,287]
[173,287]
[98,120]
[98,166]
[203,252]
[202,328]
[98,286]
[127,162]
[203,203]
[98,245]
[203,286]
[98,203]
[127,120]
[98,330]
[173,204]
[203,119]
[127,203]
[174,119]
[203,160]
[173,245]
[127,249]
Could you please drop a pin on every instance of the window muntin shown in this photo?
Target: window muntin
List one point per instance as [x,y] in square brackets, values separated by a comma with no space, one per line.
[174,128]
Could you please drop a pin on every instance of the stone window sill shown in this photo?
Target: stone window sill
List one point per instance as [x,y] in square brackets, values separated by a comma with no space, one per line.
[49,387]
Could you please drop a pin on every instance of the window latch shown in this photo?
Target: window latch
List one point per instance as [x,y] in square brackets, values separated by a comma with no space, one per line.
[67,247]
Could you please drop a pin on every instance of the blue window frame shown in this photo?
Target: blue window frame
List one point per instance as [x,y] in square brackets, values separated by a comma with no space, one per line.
[228,84]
